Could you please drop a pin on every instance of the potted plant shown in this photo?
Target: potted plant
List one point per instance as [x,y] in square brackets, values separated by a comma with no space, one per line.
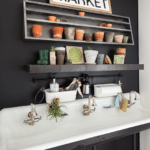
[90,55]
[52,56]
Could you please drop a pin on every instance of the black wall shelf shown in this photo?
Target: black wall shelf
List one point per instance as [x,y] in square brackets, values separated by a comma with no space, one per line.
[37,13]
[81,68]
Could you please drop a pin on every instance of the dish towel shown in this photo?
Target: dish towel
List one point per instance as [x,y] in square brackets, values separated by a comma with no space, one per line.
[118,100]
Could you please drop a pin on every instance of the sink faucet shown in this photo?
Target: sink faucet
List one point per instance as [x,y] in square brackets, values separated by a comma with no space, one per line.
[32,115]
[87,108]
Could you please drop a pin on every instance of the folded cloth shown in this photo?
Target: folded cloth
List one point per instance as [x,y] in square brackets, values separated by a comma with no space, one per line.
[118,100]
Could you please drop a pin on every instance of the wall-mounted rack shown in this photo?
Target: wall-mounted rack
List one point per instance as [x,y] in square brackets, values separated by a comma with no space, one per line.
[78,77]
[37,13]
[81,68]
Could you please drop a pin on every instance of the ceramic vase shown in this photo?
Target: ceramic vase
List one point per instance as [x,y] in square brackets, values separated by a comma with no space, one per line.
[57,32]
[125,39]
[90,56]
[52,18]
[37,30]
[79,34]
[118,38]
[69,33]
[100,59]
[99,36]
[109,37]
[88,36]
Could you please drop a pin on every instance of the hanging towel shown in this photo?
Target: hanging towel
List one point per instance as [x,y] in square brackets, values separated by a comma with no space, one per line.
[118,100]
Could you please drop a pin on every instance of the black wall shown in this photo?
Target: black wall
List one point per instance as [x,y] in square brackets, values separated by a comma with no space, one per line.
[16,86]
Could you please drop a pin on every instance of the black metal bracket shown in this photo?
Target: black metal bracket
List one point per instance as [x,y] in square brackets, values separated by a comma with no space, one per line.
[78,77]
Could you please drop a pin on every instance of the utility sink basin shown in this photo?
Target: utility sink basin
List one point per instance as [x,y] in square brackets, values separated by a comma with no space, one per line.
[14,134]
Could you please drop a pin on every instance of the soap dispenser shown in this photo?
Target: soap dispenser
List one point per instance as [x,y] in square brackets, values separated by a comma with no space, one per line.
[86,85]
[54,87]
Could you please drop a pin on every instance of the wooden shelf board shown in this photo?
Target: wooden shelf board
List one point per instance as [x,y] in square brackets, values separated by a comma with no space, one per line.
[82,68]
[76,16]
[75,24]
[78,9]
[75,41]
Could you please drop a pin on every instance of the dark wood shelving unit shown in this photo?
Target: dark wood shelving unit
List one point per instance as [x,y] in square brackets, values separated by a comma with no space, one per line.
[81,68]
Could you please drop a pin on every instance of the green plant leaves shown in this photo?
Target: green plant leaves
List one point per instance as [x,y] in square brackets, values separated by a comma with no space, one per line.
[89,48]
[54,111]
[52,49]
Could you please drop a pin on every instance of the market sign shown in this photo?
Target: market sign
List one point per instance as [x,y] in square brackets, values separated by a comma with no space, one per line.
[95,5]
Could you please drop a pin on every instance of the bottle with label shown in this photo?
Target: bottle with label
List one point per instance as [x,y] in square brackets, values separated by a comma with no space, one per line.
[54,87]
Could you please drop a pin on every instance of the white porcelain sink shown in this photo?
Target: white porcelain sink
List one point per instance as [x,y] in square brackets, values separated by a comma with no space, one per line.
[14,134]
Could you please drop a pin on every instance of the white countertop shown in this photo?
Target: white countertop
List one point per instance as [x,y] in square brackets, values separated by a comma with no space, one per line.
[46,133]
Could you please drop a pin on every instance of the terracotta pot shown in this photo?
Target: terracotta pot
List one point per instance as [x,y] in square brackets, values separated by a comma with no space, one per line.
[58,20]
[69,33]
[52,18]
[99,36]
[125,39]
[79,34]
[88,36]
[57,32]
[37,30]
[81,13]
[109,36]
[121,50]
[118,38]
[109,25]
[103,25]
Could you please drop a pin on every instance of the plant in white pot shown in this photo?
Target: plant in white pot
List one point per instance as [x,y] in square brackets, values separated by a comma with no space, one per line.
[90,55]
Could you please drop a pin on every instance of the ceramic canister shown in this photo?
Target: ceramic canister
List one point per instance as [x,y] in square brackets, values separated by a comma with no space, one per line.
[100,59]
[60,55]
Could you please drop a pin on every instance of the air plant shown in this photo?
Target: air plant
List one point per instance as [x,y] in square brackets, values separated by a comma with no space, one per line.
[54,109]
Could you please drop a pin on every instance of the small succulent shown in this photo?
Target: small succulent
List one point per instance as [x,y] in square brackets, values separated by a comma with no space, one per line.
[89,48]
[69,61]
[52,49]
